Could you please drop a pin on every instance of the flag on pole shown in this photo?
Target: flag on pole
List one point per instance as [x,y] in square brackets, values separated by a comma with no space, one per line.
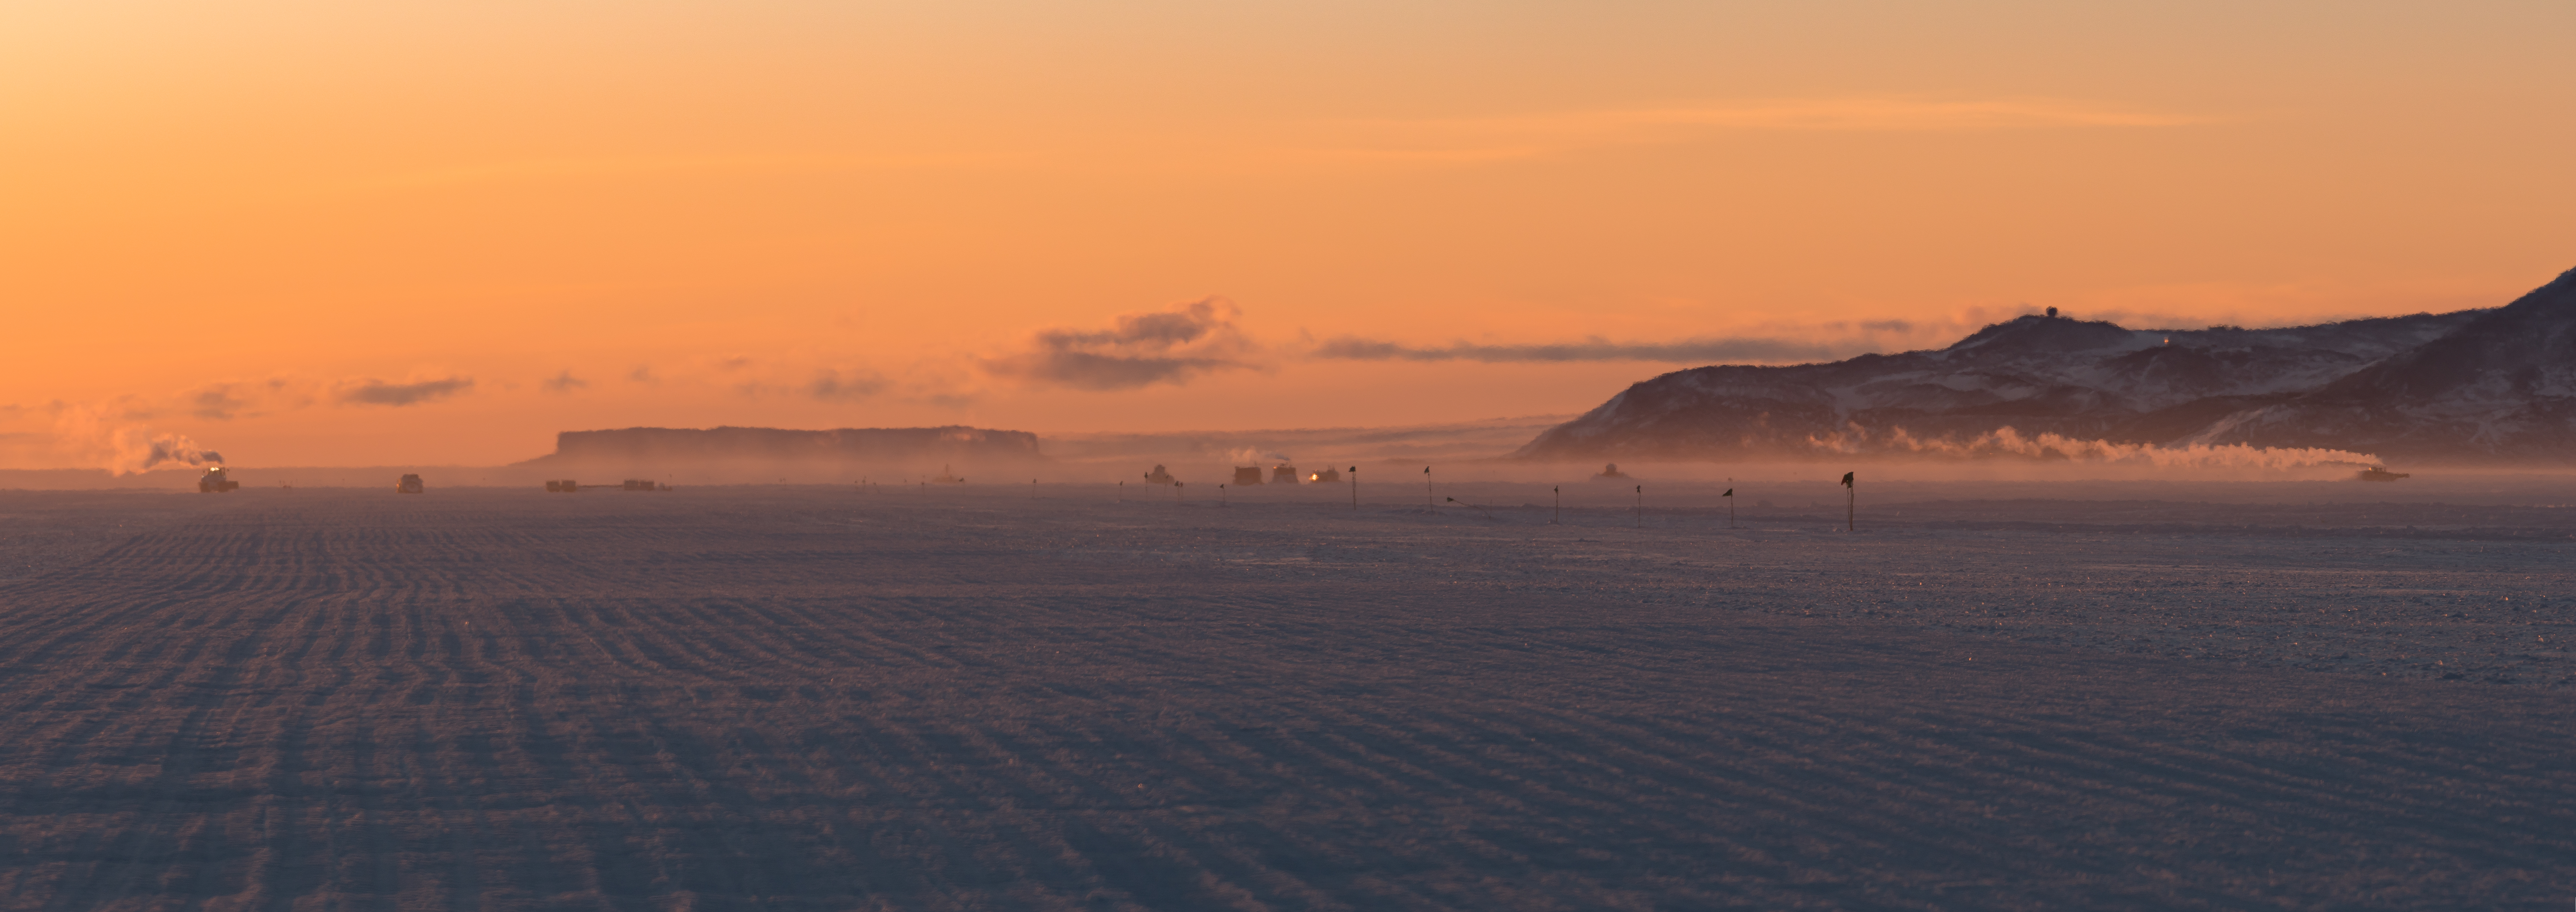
[1730,492]
[1847,479]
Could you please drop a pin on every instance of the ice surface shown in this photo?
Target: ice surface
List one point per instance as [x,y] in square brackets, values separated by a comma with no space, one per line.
[827,697]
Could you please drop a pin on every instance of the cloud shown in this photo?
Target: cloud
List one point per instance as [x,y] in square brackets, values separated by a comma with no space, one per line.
[1474,139]
[838,385]
[1595,348]
[1140,350]
[377,392]
[564,382]
[1854,113]
[217,402]
[643,373]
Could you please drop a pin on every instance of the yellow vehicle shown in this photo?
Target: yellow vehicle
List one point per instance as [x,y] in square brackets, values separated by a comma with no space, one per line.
[410,484]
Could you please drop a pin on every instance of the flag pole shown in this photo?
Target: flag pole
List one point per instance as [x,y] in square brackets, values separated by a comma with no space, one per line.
[1426,491]
[1851,502]
[1557,518]
[1355,488]
[1641,506]
[1730,503]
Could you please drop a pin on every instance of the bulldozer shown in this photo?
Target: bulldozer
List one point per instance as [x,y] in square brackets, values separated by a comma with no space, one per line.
[410,484]
[215,482]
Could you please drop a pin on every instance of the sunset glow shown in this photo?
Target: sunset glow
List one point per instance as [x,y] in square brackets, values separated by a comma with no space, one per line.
[336,234]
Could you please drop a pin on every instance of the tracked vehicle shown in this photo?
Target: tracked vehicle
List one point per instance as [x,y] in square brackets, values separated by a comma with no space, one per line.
[215,482]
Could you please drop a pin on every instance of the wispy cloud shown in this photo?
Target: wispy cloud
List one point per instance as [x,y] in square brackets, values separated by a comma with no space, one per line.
[1822,342]
[564,382]
[1472,139]
[1883,114]
[1695,351]
[845,385]
[1169,346]
[371,391]
[218,402]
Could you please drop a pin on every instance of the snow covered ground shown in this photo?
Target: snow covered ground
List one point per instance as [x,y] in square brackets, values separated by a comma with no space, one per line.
[828,697]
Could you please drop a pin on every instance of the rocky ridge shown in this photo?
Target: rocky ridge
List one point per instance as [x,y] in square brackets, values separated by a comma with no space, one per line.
[2495,385]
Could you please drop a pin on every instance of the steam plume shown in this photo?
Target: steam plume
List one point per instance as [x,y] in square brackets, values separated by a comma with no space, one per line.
[1856,440]
[126,448]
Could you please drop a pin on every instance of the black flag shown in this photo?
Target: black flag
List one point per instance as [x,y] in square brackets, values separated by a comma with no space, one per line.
[1730,492]
[1847,479]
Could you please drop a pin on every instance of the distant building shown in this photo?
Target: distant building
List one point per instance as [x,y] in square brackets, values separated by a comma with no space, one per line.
[1160,476]
[1283,473]
[1247,475]
[1325,476]
[1611,471]
[409,484]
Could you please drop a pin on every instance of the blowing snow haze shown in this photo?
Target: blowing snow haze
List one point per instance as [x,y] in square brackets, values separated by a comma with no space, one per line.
[748,454]
[2478,386]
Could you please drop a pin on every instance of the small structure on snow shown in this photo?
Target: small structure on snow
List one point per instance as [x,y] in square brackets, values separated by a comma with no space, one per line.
[946,477]
[2381,473]
[408,484]
[1611,471]
[1327,475]
[1283,473]
[1247,475]
[1160,476]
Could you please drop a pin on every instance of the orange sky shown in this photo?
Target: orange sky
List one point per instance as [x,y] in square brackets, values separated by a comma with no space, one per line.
[332,233]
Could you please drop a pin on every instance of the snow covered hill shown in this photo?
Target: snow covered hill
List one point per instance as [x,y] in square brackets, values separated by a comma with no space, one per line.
[2478,385]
